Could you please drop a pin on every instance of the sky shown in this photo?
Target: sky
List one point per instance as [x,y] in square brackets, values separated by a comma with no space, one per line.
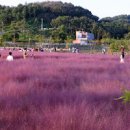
[100,8]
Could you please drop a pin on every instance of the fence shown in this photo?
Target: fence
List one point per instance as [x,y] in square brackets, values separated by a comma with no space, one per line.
[90,48]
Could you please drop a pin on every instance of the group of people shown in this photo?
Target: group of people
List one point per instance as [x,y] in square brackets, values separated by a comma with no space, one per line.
[122,56]
[74,50]
[10,56]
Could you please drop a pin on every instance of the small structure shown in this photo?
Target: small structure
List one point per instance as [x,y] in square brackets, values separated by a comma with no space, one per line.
[1,33]
[83,37]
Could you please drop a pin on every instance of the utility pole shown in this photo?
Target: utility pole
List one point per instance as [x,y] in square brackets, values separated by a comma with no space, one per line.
[41,23]
[2,29]
[42,29]
[14,39]
[29,42]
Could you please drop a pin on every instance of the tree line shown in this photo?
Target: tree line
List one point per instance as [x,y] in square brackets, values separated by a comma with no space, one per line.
[57,22]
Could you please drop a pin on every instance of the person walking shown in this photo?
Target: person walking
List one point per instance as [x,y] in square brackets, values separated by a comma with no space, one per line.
[123,52]
[24,53]
[122,56]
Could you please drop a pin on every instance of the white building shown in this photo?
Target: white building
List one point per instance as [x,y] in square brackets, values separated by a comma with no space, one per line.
[83,37]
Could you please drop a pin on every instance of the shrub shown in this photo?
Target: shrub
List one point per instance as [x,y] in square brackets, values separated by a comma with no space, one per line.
[116,45]
[125,96]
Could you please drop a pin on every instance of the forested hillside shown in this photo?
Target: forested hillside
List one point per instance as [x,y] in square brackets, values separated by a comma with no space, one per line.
[118,26]
[57,22]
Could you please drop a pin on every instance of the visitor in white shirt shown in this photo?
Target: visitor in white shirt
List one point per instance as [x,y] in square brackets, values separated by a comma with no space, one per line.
[10,57]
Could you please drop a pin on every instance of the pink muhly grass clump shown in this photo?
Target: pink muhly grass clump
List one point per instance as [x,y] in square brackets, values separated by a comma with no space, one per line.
[56,91]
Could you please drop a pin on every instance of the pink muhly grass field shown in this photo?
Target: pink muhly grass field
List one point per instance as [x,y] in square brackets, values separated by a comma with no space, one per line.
[64,91]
